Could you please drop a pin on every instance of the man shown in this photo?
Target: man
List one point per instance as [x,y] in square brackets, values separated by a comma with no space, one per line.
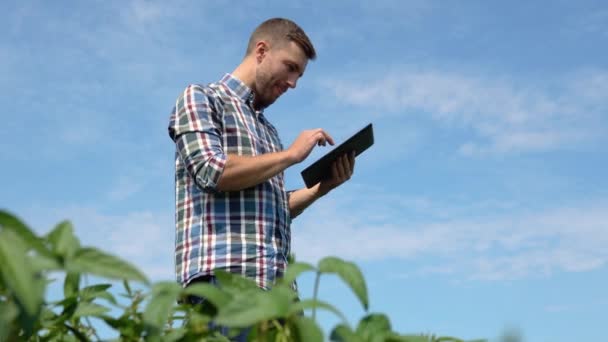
[232,210]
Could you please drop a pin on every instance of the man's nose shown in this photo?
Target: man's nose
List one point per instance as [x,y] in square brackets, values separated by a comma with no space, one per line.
[292,82]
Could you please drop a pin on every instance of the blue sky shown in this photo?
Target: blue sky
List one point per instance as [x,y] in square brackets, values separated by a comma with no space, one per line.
[481,207]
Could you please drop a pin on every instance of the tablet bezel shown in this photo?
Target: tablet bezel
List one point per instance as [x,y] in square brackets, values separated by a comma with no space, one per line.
[321,169]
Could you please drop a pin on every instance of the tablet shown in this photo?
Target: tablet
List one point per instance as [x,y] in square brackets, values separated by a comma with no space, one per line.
[321,169]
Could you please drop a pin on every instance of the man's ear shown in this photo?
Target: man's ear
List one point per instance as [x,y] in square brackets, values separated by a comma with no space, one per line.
[261,50]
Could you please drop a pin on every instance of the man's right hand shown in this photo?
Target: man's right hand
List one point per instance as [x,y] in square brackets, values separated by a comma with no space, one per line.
[306,141]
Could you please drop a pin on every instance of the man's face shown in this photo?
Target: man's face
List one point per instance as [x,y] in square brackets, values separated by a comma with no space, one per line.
[279,70]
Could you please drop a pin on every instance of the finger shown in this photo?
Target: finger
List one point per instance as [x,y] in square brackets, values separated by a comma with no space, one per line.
[324,140]
[351,158]
[340,167]
[320,138]
[327,137]
[334,171]
[346,166]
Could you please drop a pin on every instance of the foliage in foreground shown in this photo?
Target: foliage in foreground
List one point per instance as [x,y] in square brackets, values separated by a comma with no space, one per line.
[27,261]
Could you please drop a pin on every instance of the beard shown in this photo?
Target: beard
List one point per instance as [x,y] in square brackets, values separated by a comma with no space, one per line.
[264,90]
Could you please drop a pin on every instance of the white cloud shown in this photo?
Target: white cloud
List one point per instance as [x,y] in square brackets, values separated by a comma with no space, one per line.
[505,245]
[395,16]
[594,22]
[531,262]
[505,115]
[141,12]
[143,238]
[125,187]
[431,237]
[591,85]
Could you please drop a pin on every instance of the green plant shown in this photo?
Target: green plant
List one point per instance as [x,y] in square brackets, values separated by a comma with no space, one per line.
[27,260]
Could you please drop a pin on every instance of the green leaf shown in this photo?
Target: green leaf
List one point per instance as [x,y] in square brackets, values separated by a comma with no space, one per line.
[253,306]
[343,333]
[47,317]
[197,322]
[160,306]
[349,273]
[11,222]
[210,292]
[408,338]
[63,241]
[311,303]
[18,275]
[234,283]
[71,284]
[90,293]
[307,330]
[90,309]
[43,259]
[294,270]
[93,261]
[374,325]
[69,308]
[44,263]
[114,323]
[94,289]
[127,288]
[65,301]
[105,295]
[8,313]
[128,326]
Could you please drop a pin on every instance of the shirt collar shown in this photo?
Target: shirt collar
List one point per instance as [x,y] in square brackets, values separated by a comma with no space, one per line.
[238,87]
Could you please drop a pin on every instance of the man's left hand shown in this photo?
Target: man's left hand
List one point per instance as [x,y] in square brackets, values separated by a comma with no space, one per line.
[341,171]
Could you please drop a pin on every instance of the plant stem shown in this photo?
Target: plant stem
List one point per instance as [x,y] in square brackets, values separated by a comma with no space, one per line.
[314,295]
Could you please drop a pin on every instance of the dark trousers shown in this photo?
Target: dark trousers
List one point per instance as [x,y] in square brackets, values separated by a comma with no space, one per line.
[208,308]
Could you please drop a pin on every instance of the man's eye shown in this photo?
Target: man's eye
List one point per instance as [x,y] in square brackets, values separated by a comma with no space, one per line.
[291,67]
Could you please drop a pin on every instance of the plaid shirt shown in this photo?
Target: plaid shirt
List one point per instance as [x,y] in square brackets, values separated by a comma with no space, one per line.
[245,232]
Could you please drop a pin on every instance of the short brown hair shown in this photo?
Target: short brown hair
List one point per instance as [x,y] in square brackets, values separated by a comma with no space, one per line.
[281,30]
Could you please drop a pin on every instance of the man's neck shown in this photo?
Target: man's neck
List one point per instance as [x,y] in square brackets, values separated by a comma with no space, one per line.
[246,73]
